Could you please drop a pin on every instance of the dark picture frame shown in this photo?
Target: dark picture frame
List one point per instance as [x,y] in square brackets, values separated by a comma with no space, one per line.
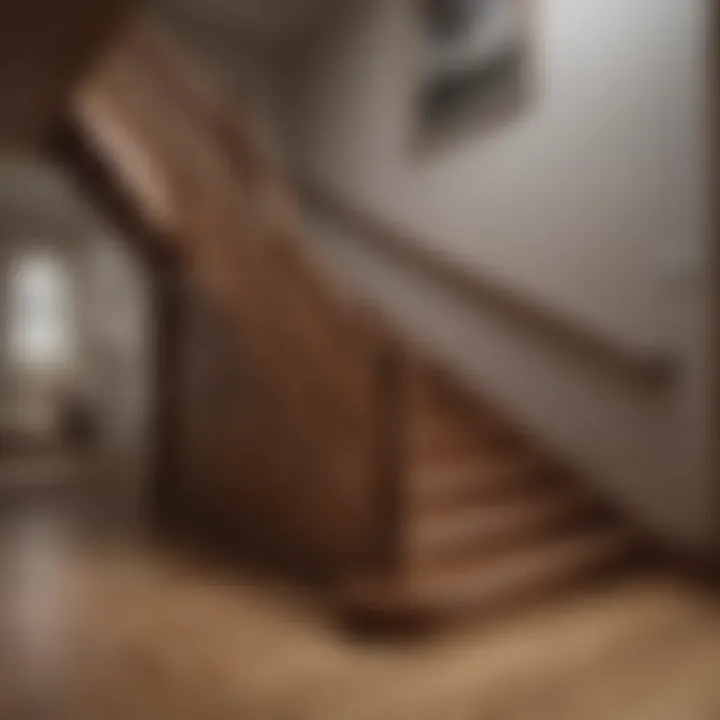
[475,61]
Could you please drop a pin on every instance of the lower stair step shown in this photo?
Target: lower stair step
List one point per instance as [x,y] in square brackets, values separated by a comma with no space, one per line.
[475,531]
[445,484]
[445,592]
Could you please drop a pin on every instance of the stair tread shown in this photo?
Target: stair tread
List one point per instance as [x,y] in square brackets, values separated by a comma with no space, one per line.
[442,449]
[437,480]
[485,526]
[479,585]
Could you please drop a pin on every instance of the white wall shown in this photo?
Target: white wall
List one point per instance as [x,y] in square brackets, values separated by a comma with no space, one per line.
[592,199]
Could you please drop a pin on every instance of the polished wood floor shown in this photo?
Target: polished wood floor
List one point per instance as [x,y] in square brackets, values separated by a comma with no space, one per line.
[116,630]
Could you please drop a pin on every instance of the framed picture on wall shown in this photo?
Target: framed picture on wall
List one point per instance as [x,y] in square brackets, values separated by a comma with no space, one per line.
[476,55]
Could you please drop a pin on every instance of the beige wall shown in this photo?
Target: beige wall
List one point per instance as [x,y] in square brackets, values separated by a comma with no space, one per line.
[592,199]
[118,326]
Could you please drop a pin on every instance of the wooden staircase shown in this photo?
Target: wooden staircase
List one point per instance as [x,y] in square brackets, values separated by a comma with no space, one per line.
[487,521]
[420,499]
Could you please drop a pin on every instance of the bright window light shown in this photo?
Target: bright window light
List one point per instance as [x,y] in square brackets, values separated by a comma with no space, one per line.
[40,306]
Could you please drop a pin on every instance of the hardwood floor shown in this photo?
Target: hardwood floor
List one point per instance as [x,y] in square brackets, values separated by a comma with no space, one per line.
[103,631]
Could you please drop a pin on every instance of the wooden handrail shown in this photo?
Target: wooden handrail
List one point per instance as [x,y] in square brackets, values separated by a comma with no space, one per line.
[643,368]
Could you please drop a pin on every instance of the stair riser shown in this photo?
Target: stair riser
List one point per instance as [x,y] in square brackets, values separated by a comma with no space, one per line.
[474,491]
[437,611]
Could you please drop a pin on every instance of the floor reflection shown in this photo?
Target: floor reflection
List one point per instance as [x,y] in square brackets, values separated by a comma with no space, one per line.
[97,627]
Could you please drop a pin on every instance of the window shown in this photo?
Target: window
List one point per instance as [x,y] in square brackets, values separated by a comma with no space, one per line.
[40,307]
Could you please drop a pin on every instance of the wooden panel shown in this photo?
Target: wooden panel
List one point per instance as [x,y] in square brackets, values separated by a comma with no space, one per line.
[291,418]
[245,455]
